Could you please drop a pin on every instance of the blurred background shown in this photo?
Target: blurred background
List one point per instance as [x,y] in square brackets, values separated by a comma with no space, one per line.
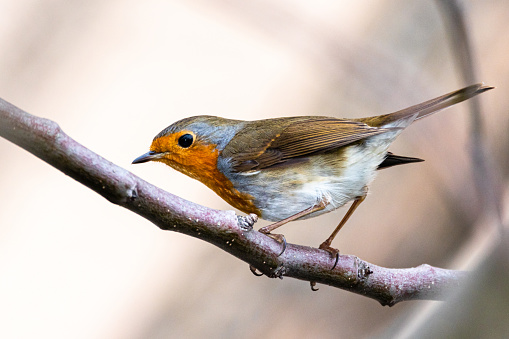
[114,73]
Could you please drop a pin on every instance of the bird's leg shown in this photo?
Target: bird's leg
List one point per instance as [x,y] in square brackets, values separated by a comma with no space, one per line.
[326,244]
[316,207]
[320,205]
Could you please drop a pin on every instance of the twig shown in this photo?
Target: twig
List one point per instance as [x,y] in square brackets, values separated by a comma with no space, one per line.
[231,233]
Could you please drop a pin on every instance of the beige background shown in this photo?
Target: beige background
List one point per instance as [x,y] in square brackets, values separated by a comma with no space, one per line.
[114,73]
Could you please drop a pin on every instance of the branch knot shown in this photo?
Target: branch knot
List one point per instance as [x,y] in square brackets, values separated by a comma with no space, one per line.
[246,222]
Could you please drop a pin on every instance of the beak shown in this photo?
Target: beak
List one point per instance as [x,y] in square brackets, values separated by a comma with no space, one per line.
[149,156]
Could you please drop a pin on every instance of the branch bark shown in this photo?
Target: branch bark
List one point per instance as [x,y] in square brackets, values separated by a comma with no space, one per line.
[233,234]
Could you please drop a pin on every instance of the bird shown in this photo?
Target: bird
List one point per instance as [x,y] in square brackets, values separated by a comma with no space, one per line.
[291,168]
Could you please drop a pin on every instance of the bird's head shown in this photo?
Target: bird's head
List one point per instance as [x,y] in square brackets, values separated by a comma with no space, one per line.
[192,145]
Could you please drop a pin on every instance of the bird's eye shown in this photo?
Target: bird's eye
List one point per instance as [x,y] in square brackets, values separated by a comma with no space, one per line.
[185,141]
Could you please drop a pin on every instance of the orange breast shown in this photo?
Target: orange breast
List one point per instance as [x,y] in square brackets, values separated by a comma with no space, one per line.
[200,163]
[205,170]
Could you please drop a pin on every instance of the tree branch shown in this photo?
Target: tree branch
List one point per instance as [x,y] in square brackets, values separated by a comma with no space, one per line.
[231,233]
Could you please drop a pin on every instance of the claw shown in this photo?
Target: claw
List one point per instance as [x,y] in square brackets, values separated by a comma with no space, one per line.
[313,284]
[280,239]
[253,270]
[332,251]
[336,262]
[284,246]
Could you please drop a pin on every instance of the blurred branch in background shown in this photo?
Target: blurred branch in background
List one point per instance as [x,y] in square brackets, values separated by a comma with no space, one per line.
[486,180]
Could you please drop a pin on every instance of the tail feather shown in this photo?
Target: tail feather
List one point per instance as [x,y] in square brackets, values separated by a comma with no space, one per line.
[429,107]
[395,160]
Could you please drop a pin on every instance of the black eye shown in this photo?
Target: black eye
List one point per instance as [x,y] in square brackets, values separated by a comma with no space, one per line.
[186,140]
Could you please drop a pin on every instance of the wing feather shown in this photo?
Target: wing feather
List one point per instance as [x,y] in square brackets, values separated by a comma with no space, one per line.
[283,140]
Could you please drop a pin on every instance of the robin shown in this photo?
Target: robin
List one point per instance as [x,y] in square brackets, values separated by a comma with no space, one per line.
[291,168]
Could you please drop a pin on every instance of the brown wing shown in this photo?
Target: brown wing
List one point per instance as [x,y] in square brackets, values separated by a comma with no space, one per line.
[265,143]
